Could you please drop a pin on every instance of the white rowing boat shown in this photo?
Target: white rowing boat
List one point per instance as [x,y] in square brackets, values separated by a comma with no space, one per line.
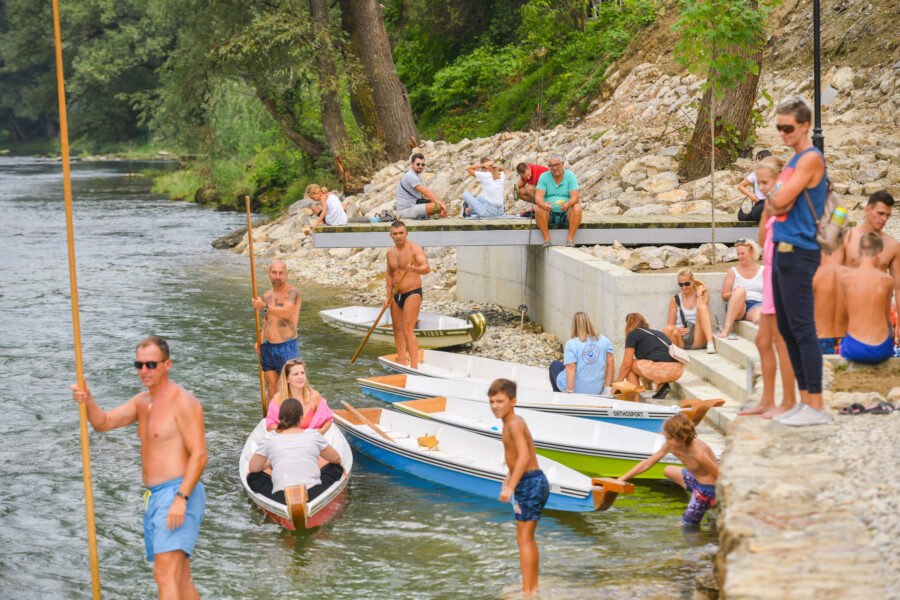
[300,514]
[465,367]
[432,330]
[464,460]
[639,415]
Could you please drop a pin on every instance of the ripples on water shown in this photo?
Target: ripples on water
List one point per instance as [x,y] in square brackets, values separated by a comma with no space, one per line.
[145,266]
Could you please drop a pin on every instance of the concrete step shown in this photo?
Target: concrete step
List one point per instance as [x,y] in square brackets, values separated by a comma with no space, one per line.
[692,386]
[738,351]
[746,330]
[716,369]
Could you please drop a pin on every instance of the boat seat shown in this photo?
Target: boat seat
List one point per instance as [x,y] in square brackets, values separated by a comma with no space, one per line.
[397,435]
[458,418]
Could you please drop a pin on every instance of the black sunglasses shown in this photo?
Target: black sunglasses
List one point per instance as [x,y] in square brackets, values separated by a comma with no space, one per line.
[785,128]
[686,283]
[150,364]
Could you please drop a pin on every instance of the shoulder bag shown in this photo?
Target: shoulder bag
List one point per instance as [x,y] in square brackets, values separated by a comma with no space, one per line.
[679,354]
[829,235]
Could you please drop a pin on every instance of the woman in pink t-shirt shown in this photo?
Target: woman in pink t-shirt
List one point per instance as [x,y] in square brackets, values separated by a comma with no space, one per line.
[768,340]
[293,383]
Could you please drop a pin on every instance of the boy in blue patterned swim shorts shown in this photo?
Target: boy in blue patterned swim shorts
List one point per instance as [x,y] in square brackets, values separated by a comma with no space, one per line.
[526,483]
[701,467]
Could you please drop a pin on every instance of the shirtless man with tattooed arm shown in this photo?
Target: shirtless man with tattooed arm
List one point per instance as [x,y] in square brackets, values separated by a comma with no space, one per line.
[279,331]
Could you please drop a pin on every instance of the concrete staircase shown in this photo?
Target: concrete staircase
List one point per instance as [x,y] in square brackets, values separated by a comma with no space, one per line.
[723,375]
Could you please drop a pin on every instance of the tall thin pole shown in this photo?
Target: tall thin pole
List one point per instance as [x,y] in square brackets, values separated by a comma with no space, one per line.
[262,379]
[76,323]
[818,140]
[712,150]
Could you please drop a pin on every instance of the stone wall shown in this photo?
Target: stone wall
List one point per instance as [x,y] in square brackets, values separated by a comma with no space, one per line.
[563,281]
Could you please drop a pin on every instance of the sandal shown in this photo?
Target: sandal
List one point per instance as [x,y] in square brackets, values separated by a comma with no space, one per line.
[570,243]
[854,409]
[547,244]
[882,408]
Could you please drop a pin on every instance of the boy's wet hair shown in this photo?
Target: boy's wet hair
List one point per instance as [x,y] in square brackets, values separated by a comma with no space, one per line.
[870,244]
[680,428]
[502,386]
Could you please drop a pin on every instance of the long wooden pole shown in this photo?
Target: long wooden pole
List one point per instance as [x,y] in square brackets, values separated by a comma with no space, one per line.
[378,318]
[262,379]
[76,323]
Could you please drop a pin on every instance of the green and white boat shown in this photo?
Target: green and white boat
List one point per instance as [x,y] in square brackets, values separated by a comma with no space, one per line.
[594,448]
[432,330]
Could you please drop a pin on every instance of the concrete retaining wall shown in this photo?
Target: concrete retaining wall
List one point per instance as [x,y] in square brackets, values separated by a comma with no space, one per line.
[563,281]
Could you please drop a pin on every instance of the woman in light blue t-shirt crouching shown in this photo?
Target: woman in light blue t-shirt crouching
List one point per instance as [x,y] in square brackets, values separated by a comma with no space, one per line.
[588,363]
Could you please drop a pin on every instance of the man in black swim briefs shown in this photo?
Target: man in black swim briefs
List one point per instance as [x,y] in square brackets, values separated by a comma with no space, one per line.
[406,263]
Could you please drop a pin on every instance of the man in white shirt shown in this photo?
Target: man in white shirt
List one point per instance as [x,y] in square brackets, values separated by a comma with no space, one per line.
[490,202]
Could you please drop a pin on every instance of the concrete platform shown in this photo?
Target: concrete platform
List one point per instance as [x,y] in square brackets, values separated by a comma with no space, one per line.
[456,231]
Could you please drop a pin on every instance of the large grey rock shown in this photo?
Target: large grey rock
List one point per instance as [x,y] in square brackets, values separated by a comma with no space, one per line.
[662,182]
[647,209]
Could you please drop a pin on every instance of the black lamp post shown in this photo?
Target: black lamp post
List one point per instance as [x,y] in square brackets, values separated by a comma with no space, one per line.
[818,139]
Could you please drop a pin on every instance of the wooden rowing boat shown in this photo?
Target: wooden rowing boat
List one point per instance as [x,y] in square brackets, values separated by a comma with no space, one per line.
[639,415]
[463,460]
[594,448]
[300,514]
[432,330]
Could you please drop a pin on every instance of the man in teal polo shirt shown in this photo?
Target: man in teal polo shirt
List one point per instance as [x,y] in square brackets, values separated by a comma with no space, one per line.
[556,201]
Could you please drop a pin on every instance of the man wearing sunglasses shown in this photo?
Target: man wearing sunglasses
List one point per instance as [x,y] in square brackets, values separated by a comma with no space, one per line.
[414,199]
[556,201]
[173,456]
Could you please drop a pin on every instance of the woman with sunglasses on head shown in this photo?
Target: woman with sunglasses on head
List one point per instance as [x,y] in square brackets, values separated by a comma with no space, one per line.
[689,325]
[742,289]
[797,256]
[294,384]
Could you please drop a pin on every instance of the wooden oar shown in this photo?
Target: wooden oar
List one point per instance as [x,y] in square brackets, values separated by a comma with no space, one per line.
[76,323]
[378,318]
[262,379]
[363,418]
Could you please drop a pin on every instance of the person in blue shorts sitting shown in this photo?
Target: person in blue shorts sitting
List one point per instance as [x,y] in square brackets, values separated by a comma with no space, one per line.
[867,295]
[588,363]
[556,201]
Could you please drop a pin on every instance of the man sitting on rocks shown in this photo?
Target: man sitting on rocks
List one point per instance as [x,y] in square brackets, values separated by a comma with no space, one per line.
[556,201]
[528,180]
[414,199]
[867,295]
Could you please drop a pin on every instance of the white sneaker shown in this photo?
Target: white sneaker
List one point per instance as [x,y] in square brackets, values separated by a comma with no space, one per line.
[807,415]
[710,348]
[787,414]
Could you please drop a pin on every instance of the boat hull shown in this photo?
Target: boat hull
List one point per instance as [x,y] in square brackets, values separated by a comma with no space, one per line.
[323,507]
[393,394]
[468,331]
[474,481]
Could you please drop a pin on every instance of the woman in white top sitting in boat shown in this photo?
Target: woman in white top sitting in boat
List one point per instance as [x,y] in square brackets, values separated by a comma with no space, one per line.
[295,456]
[689,325]
[742,289]
[293,383]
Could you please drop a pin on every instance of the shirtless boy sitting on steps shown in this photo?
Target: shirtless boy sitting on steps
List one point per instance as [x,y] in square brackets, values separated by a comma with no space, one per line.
[867,293]
[830,309]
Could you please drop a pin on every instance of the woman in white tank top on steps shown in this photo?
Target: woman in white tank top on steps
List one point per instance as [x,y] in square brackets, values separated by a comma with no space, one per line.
[742,289]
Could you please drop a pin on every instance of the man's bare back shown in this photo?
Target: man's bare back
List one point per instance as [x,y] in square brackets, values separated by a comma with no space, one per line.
[830,308]
[867,294]
[889,256]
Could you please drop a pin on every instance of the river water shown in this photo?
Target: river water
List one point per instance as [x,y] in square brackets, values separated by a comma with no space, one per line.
[145,266]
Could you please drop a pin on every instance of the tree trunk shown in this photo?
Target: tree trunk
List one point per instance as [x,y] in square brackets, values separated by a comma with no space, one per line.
[329,98]
[396,126]
[732,121]
[287,122]
[361,101]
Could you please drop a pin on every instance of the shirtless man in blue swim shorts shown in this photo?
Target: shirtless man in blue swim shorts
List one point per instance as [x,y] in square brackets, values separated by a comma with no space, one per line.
[405,304]
[867,295]
[525,484]
[279,331]
[173,456]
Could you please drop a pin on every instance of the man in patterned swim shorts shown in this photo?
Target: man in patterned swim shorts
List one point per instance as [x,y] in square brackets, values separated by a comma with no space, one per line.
[700,472]
[279,331]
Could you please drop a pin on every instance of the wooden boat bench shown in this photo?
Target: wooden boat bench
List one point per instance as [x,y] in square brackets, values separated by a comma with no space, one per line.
[606,490]
[695,409]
